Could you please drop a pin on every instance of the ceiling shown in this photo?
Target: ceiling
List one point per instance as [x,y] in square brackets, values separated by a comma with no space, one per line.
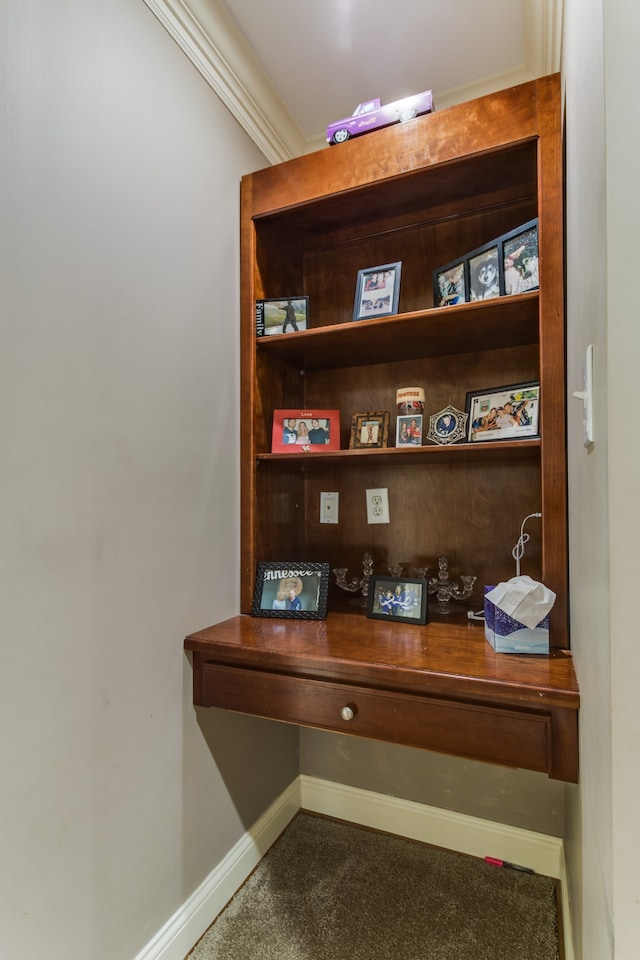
[287,68]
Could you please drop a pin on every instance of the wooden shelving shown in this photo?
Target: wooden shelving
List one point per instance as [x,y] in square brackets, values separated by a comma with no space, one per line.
[437,332]
[422,193]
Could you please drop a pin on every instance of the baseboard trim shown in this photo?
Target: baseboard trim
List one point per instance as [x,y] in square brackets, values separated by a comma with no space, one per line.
[444,828]
[178,936]
[405,818]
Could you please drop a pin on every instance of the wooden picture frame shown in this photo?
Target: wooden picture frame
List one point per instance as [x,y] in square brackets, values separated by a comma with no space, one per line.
[291,590]
[402,599]
[369,430]
[377,291]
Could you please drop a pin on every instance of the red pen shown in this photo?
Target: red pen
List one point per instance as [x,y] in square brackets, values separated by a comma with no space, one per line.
[509,866]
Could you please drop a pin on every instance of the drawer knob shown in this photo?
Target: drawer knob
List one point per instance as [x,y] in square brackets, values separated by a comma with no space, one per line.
[347,713]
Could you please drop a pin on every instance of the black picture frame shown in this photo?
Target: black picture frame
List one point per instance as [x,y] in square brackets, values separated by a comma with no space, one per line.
[377,291]
[519,258]
[484,272]
[400,599]
[275,314]
[450,284]
[483,410]
[309,582]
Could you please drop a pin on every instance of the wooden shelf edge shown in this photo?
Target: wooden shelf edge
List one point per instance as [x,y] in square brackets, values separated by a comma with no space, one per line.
[439,659]
[490,451]
[436,331]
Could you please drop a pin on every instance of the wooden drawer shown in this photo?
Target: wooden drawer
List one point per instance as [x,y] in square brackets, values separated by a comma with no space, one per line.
[504,735]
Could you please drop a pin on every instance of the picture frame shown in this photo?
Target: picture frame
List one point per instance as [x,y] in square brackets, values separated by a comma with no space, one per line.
[279,315]
[400,599]
[520,406]
[369,430]
[305,431]
[409,430]
[485,272]
[447,426]
[291,590]
[450,284]
[377,291]
[519,257]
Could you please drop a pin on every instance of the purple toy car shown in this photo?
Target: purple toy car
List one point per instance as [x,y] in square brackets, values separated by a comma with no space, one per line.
[371,115]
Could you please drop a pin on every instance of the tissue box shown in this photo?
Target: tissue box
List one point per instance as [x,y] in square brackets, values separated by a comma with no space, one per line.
[507,635]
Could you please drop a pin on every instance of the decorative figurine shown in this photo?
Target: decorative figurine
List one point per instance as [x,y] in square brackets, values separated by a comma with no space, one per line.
[371,115]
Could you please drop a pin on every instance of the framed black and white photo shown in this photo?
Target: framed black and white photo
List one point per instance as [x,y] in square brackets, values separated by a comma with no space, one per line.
[484,272]
[520,258]
[281,315]
[447,426]
[377,291]
[409,430]
[504,413]
[449,284]
[398,598]
[295,591]
[369,430]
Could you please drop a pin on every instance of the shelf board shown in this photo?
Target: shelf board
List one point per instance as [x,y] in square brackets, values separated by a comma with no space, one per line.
[441,331]
[487,452]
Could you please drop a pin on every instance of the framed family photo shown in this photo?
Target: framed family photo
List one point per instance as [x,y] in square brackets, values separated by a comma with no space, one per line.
[409,430]
[449,284]
[504,413]
[292,590]
[281,315]
[377,291]
[369,430]
[401,599]
[520,258]
[305,431]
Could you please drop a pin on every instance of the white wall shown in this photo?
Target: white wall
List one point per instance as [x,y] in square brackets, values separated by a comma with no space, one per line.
[622,75]
[119,481]
[589,808]
[603,153]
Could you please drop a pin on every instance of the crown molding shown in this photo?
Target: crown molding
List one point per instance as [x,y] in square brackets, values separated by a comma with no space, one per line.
[213,43]
[542,32]
[208,35]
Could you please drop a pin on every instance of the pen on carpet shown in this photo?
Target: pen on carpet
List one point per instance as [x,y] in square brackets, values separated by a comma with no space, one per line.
[509,866]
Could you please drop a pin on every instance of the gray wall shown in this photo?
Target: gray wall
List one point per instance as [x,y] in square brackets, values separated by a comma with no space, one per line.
[119,482]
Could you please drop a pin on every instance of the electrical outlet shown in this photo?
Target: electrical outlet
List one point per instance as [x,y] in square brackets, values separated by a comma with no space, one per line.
[378,505]
[329,507]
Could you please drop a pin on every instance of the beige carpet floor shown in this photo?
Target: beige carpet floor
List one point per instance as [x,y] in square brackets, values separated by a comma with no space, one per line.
[327,890]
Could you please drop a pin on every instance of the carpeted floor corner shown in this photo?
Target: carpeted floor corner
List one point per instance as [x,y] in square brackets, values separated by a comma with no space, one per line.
[328,890]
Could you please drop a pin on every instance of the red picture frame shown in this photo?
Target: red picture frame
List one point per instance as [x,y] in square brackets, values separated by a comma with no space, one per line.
[305,431]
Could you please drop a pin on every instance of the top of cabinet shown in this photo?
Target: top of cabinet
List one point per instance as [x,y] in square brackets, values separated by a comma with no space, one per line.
[484,125]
